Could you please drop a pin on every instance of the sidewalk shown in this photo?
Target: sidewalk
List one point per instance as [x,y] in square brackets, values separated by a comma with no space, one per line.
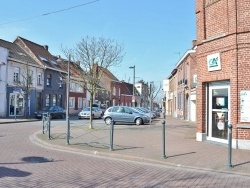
[144,144]
[17,120]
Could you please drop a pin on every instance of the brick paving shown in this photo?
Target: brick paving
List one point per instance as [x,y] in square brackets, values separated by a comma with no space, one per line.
[135,162]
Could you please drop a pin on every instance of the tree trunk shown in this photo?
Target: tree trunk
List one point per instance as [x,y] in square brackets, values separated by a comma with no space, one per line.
[91,118]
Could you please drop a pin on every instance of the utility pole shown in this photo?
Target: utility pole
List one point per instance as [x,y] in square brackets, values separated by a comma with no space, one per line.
[67,111]
[133,99]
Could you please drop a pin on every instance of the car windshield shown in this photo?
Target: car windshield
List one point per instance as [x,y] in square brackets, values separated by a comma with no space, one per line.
[86,109]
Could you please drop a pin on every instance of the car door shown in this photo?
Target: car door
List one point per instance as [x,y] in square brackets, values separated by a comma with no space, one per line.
[128,115]
[115,115]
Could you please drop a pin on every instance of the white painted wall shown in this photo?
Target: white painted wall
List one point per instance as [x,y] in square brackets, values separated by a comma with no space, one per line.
[3,77]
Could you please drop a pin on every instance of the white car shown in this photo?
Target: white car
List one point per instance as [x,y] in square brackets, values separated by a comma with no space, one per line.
[85,113]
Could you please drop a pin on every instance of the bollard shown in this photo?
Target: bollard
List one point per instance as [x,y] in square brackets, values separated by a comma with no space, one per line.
[68,130]
[111,135]
[48,123]
[43,122]
[230,146]
[163,140]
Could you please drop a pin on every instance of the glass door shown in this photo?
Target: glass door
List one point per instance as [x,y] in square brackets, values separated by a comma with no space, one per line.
[218,112]
[16,106]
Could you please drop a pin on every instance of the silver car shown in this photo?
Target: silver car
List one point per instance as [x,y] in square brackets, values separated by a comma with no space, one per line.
[85,113]
[124,114]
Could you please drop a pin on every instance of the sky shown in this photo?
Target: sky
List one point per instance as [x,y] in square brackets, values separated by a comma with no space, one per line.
[154,33]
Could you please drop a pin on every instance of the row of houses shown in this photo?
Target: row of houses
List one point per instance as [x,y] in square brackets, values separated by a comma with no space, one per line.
[29,69]
[210,83]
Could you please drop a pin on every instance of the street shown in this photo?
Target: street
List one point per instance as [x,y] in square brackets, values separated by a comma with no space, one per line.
[25,164]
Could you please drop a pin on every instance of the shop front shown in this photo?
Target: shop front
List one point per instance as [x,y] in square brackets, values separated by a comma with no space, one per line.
[218,111]
[16,103]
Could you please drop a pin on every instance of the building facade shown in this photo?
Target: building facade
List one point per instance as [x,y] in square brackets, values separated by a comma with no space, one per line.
[223,55]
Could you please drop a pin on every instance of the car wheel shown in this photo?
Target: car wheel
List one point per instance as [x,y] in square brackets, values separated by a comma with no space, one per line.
[108,121]
[138,121]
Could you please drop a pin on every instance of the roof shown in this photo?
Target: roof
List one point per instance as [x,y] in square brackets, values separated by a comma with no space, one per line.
[17,53]
[75,69]
[39,52]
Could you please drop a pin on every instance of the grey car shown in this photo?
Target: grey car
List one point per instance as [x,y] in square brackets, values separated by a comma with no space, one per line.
[124,114]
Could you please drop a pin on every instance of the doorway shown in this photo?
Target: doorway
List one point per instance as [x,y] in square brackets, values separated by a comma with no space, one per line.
[219,107]
[16,106]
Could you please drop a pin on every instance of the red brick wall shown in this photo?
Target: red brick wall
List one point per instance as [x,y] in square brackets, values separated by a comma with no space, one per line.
[223,26]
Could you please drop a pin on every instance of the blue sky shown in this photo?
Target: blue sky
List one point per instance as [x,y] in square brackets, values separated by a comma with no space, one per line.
[155,33]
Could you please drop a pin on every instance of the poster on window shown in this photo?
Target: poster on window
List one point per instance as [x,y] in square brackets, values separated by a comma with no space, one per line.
[245,106]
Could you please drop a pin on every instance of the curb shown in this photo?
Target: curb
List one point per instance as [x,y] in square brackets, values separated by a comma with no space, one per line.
[146,161]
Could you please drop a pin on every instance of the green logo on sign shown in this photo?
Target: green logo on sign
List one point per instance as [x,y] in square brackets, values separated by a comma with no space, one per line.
[213,62]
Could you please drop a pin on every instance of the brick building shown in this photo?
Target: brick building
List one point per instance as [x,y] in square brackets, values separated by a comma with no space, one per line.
[223,64]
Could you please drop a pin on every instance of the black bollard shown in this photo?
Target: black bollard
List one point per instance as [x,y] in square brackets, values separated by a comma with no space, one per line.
[111,135]
[163,140]
[230,146]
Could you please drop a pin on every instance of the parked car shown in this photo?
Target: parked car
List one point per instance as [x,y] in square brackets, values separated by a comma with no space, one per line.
[54,112]
[85,113]
[124,114]
[145,110]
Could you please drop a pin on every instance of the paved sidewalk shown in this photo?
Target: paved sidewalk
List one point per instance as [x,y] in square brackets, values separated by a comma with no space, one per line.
[144,144]
[17,120]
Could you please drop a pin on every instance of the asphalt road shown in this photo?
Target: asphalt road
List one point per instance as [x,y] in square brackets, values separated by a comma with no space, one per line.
[25,164]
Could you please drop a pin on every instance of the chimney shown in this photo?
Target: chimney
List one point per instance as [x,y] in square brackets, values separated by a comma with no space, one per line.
[46,47]
[194,43]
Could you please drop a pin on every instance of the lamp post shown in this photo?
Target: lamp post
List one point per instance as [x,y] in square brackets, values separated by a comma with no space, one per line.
[133,99]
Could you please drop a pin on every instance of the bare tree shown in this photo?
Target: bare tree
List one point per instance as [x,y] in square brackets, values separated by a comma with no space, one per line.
[154,90]
[26,86]
[95,55]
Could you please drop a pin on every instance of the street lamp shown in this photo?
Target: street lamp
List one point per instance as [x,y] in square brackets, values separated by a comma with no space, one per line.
[133,99]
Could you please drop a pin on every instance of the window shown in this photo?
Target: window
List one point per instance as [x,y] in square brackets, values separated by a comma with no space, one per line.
[60,100]
[39,78]
[72,86]
[79,88]
[54,100]
[48,80]
[47,99]
[30,77]
[72,102]
[114,93]
[60,83]
[16,74]
[80,103]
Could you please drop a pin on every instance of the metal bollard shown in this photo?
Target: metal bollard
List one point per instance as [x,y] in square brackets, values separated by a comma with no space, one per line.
[43,122]
[163,140]
[230,146]
[68,130]
[48,123]
[111,135]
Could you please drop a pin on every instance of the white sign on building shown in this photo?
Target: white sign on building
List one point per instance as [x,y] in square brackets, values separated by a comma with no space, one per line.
[214,62]
[245,106]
